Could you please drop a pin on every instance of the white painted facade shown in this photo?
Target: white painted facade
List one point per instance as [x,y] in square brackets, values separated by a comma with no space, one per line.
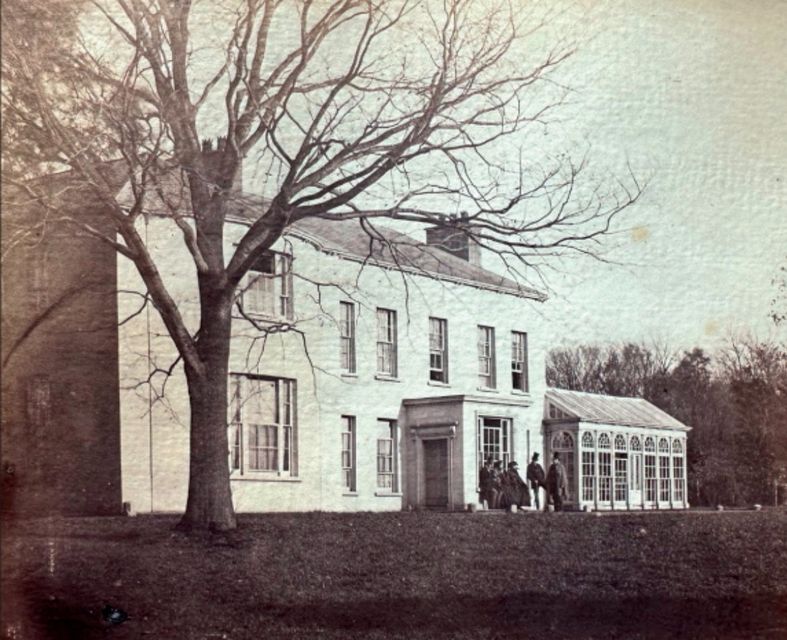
[436,422]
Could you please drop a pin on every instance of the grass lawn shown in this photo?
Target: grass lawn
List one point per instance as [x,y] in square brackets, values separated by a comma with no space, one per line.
[402,575]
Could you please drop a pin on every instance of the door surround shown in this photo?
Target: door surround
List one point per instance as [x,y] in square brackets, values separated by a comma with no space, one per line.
[420,433]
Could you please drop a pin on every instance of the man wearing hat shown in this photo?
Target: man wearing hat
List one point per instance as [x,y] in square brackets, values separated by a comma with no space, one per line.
[556,482]
[536,478]
[486,484]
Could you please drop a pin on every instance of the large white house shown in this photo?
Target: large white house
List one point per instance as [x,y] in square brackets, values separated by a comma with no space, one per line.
[363,379]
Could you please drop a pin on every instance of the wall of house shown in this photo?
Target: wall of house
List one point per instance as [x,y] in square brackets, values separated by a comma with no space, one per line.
[155,430]
[60,409]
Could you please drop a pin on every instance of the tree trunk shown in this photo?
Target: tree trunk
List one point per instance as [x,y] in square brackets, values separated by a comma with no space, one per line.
[209,505]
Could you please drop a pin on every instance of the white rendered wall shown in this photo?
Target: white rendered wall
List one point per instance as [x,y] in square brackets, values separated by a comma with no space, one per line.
[154,443]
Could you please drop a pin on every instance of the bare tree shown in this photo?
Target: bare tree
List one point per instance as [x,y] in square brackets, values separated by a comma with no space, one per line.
[369,109]
[629,369]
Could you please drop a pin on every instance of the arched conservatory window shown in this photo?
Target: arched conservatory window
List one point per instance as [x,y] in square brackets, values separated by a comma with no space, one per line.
[650,470]
[588,466]
[664,470]
[587,440]
[678,469]
[604,469]
[621,468]
[635,460]
[563,443]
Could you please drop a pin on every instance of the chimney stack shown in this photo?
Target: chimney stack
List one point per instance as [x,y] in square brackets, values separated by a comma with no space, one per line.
[454,237]
[213,159]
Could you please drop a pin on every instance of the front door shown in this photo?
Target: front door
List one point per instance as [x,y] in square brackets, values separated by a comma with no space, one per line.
[436,473]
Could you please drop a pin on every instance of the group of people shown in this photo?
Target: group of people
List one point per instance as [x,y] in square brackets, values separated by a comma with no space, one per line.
[502,489]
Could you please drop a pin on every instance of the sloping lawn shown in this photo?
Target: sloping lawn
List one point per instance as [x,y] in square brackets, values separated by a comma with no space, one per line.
[402,575]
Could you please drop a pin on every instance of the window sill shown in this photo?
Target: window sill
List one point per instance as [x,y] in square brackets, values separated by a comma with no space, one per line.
[488,389]
[385,378]
[261,478]
[436,383]
[388,494]
[350,494]
[260,316]
[519,392]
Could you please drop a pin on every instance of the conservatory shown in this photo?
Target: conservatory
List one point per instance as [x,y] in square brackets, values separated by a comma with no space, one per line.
[619,453]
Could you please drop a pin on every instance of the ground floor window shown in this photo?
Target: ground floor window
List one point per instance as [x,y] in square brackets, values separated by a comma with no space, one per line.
[604,476]
[664,478]
[348,452]
[636,472]
[494,439]
[263,435]
[621,477]
[588,474]
[387,455]
[650,478]
[677,464]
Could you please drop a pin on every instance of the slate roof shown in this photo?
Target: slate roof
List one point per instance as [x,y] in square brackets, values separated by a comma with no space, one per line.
[601,409]
[345,238]
[389,248]
[375,244]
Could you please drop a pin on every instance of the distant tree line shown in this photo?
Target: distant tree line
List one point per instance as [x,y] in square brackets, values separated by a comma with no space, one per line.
[735,400]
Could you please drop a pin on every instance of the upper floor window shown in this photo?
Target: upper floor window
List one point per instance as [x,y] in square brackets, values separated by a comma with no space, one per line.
[268,287]
[347,336]
[486,357]
[438,350]
[386,342]
[263,434]
[519,379]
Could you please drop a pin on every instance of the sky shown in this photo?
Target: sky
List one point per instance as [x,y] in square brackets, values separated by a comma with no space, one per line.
[694,94]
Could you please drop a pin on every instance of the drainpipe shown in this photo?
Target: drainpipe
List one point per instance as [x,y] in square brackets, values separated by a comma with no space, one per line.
[150,390]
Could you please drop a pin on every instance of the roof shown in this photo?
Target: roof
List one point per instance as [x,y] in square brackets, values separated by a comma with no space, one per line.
[383,246]
[370,243]
[631,412]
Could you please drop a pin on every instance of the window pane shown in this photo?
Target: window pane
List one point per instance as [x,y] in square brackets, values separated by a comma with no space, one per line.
[386,341]
[263,447]
[261,405]
[347,336]
[348,452]
[386,455]
[486,357]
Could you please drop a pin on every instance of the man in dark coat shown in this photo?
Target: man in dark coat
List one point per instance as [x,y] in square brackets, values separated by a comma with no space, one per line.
[556,482]
[537,478]
[514,488]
